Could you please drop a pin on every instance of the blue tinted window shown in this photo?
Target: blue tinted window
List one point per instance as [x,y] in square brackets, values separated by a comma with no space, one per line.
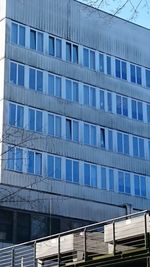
[51,85]
[38,121]
[92,97]
[40,81]
[13,73]
[58,48]
[57,168]
[136,185]
[103,178]
[11,157]
[93,176]
[102,101]
[86,94]
[92,60]
[12,114]
[75,92]
[108,65]
[124,70]
[75,131]
[141,148]
[68,170]
[85,57]
[86,174]
[38,164]
[118,103]
[148,113]
[147,78]
[30,162]
[32,79]
[40,42]
[14,33]
[111,180]
[19,159]
[50,166]
[93,135]
[134,111]
[143,186]
[68,129]
[68,51]
[140,111]
[58,87]
[126,144]
[75,54]
[125,106]
[109,102]
[135,146]
[86,134]
[139,75]
[118,71]
[132,73]
[50,124]
[31,119]
[102,138]
[121,182]
[22,35]
[20,116]
[20,75]
[68,90]
[32,39]
[127,183]
[101,62]
[51,46]
[58,126]
[119,143]
[75,172]
[110,140]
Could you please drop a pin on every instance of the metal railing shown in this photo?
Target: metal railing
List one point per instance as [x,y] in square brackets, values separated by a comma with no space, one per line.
[125,235]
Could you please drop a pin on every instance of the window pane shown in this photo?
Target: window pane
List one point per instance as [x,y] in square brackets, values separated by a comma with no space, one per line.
[93,135]
[75,131]
[93,176]
[148,113]
[31,119]
[119,143]
[19,159]
[39,121]
[102,137]
[103,178]
[126,144]
[134,111]
[51,85]
[109,102]
[40,42]
[38,163]
[12,114]
[58,87]
[143,186]
[57,168]
[50,124]
[124,70]
[125,106]
[22,35]
[50,163]
[68,90]
[141,148]
[68,51]
[101,62]
[20,116]
[137,185]
[92,60]
[32,39]
[51,46]
[132,73]
[111,180]
[92,97]
[11,157]
[75,172]
[86,134]
[140,111]
[75,54]
[14,33]
[58,48]
[118,102]
[68,129]
[127,183]
[32,79]
[102,102]
[86,94]
[139,75]
[30,162]
[86,174]
[108,65]
[121,182]
[75,92]
[13,73]
[85,57]
[110,140]
[147,78]
[68,170]
[39,81]
[135,146]
[118,73]
[20,75]
[58,126]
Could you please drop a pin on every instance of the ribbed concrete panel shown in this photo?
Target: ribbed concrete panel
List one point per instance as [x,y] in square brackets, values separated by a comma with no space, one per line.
[76,111]
[75,21]
[76,72]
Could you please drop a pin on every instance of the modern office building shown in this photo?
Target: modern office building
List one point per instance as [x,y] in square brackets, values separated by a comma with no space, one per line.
[75,117]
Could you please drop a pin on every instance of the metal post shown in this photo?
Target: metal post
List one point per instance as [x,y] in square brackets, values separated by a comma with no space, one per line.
[114,242]
[145,230]
[12,257]
[34,254]
[59,251]
[85,252]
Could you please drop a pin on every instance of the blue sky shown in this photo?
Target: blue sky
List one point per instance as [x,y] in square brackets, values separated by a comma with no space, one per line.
[142,17]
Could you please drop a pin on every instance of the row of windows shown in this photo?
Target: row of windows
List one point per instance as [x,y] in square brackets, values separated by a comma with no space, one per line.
[78,131]
[71,90]
[73,170]
[53,46]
